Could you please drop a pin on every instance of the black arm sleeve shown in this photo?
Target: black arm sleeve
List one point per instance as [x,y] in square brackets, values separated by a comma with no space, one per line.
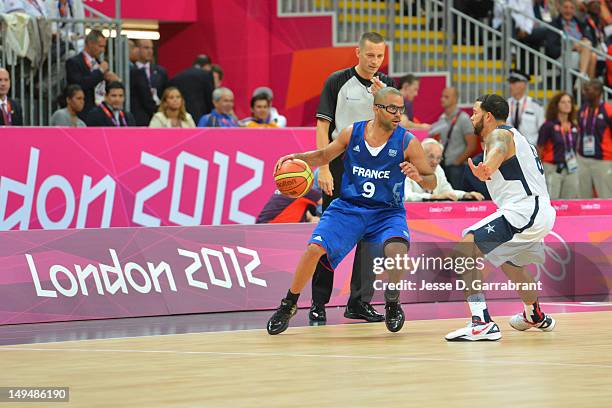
[329,99]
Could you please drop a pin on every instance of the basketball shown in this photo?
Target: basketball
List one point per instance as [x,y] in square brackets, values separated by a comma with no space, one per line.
[294,178]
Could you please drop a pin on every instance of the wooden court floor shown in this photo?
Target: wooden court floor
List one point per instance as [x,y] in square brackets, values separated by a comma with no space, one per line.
[353,365]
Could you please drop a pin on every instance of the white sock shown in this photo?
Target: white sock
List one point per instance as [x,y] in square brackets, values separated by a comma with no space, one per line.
[478,307]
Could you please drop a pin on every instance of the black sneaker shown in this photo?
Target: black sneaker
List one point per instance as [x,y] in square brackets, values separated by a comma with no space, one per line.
[394,316]
[317,313]
[279,321]
[363,311]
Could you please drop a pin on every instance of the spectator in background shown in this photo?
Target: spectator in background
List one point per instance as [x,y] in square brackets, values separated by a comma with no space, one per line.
[526,115]
[222,115]
[443,191]
[217,72]
[282,209]
[73,99]
[157,77]
[260,110]
[172,112]
[595,143]
[596,25]
[11,113]
[582,57]
[196,85]
[409,88]
[557,147]
[142,104]
[33,8]
[110,112]
[455,131]
[68,9]
[90,71]
[274,116]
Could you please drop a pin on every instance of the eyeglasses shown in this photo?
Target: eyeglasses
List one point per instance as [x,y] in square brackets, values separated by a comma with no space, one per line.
[392,109]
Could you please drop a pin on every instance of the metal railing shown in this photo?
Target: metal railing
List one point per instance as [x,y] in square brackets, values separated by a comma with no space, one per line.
[38,83]
[430,36]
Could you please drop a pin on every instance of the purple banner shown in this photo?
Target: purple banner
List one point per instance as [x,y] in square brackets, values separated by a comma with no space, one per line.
[125,272]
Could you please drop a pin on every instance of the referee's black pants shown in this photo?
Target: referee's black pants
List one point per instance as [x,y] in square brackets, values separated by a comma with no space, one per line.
[362,279]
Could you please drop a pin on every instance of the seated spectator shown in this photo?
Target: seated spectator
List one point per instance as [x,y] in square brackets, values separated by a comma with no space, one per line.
[455,131]
[172,112]
[222,115]
[596,25]
[443,191]
[110,112]
[409,88]
[260,109]
[557,147]
[88,70]
[282,209]
[582,56]
[73,99]
[275,117]
[67,10]
[11,113]
[217,73]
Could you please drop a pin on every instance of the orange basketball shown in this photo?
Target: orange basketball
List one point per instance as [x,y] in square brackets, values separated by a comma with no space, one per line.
[294,178]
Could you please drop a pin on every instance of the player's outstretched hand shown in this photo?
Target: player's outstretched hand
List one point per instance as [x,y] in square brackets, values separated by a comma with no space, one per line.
[377,85]
[326,180]
[410,171]
[280,162]
[482,171]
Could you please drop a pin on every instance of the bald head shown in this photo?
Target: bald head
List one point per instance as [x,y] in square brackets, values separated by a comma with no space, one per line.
[449,98]
[5,82]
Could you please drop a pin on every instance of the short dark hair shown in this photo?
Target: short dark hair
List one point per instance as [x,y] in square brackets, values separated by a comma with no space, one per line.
[371,37]
[68,92]
[596,84]
[114,85]
[217,68]
[94,36]
[259,97]
[494,104]
[407,79]
[201,60]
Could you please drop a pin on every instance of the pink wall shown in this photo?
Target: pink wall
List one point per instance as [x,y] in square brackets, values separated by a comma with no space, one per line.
[180,10]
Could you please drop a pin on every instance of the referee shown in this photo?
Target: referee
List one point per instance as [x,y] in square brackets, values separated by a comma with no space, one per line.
[347,97]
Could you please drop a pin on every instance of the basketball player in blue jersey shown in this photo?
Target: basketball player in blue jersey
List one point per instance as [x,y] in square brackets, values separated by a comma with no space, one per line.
[378,155]
[512,236]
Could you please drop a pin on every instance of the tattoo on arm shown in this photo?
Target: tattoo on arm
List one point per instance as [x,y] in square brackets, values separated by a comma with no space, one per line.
[499,140]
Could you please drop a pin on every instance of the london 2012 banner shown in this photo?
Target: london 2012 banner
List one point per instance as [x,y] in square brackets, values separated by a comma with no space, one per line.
[53,178]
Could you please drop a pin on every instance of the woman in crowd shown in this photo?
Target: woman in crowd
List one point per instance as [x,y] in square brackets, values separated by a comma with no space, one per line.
[73,98]
[172,112]
[557,147]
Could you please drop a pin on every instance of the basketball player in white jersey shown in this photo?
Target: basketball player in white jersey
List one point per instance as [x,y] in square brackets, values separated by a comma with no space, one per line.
[512,236]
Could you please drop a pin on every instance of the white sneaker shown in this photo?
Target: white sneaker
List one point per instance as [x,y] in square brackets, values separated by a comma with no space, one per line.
[476,331]
[518,322]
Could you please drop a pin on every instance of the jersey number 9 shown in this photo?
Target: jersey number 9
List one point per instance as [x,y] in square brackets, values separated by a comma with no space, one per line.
[368,189]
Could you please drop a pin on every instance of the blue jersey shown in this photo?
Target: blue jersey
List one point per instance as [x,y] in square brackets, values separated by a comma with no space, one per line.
[374,181]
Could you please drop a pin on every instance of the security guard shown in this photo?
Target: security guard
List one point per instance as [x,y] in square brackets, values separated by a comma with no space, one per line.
[526,114]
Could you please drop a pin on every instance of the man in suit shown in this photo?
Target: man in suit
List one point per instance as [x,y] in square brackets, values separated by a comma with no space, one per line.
[196,85]
[90,71]
[157,76]
[10,109]
[110,112]
[142,104]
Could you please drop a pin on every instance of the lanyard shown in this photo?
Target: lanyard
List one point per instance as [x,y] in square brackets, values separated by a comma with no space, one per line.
[87,61]
[8,114]
[110,115]
[223,120]
[568,141]
[521,111]
[62,8]
[584,119]
[37,6]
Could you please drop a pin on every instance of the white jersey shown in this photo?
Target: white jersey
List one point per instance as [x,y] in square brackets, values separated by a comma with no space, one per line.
[519,178]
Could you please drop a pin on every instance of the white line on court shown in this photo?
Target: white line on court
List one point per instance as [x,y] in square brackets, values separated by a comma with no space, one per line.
[335,356]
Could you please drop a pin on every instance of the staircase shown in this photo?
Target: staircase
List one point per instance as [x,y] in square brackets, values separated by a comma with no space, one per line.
[474,56]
